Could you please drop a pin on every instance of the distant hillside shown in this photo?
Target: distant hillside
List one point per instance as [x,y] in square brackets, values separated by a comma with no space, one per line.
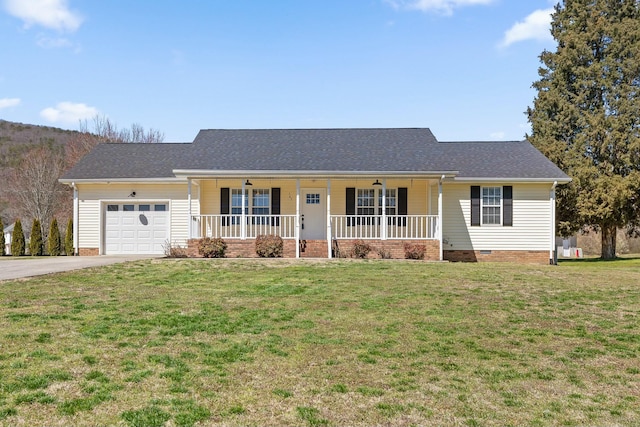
[18,138]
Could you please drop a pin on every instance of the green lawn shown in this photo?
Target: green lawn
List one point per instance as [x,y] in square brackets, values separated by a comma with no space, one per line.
[277,342]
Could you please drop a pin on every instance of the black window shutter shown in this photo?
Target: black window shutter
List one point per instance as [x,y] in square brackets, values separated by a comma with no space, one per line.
[275,206]
[402,204]
[351,204]
[224,204]
[475,205]
[507,205]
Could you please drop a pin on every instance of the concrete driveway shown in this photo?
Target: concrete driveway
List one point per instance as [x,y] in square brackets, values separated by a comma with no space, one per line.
[17,268]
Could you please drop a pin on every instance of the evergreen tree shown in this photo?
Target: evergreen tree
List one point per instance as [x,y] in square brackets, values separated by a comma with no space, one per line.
[68,238]
[586,115]
[2,242]
[36,246]
[17,240]
[55,245]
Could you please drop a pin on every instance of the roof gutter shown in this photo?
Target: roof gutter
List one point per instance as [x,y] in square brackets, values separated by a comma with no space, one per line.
[168,180]
[518,180]
[203,173]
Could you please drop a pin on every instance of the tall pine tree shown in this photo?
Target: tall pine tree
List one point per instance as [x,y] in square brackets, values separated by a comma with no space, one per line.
[55,244]
[17,240]
[2,242]
[586,115]
[36,245]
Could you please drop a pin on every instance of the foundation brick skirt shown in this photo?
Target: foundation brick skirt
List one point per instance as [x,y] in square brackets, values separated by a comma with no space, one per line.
[522,257]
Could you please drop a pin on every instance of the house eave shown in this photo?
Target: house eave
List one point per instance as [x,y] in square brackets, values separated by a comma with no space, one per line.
[465,180]
[203,174]
[167,180]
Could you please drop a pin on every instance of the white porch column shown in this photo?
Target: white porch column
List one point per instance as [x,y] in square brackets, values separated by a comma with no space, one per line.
[552,201]
[329,240]
[383,226]
[190,214]
[76,226]
[243,216]
[298,218]
[440,217]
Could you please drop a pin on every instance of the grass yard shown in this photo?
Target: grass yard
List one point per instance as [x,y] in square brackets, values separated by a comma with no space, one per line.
[277,342]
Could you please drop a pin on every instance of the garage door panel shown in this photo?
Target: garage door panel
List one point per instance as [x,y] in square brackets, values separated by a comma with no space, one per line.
[137,230]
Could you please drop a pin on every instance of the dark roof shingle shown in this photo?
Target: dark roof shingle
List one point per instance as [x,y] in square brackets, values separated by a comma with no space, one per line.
[318,150]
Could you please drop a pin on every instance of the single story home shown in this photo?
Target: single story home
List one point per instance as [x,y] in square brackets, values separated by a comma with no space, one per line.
[321,191]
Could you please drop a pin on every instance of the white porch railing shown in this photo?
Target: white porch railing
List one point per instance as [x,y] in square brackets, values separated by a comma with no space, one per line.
[423,227]
[230,226]
[397,227]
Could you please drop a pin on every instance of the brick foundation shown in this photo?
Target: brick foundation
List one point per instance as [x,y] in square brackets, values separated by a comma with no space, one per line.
[318,248]
[522,257]
[313,249]
[393,249]
[88,251]
[237,248]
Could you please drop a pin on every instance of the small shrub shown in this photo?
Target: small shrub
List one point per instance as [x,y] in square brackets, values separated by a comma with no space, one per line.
[384,253]
[36,245]
[360,249]
[414,251]
[212,248]
[55,245]
[171,251]
[68,238]
[269,246]
[17,240]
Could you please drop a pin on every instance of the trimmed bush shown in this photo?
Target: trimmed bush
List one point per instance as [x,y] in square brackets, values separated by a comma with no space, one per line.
[55,245]
[2,242]
[36,245]
[212,248]
[360,249]
[68,238]
[269,246]
[174,251]
[414,251]
[17,240]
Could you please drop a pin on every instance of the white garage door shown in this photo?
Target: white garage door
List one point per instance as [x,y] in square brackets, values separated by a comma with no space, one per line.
[136,228]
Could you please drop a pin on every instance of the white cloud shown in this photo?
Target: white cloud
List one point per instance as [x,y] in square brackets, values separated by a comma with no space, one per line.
[9,102]
[53,14]
[498,135]
[445,7]
[53,43]
[536,26]
[68,112]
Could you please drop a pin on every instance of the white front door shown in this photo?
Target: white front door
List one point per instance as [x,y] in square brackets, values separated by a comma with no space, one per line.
[313,214]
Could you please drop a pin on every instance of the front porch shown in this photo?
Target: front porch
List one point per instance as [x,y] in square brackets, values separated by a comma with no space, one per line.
[319,217]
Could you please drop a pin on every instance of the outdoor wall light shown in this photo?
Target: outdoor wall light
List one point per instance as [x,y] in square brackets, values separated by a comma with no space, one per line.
[133,194]
[248,183]
[377,183]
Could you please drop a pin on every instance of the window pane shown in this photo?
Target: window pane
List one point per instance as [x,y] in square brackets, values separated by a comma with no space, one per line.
[236,202]
[144,208]
[160,208]
[313,199]
[112,208]
[127,208]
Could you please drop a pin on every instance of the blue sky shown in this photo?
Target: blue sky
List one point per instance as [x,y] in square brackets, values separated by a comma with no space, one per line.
[463,68]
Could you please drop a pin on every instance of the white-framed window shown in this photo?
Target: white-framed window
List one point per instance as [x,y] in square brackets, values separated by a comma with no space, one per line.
[369,201]
[257,201]
[491,205]
[365,201]
[390,202]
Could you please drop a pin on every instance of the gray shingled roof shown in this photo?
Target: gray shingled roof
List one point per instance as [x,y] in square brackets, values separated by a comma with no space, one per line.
[324,150]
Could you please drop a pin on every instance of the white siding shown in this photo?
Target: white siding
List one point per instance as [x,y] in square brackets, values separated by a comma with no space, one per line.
[531,220]
[93,197]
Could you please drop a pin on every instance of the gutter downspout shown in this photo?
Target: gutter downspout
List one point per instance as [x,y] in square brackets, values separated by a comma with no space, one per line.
[552,200]
[440,217]
[76,238]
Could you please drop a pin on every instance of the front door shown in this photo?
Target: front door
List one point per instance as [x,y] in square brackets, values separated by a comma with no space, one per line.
[313,214]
